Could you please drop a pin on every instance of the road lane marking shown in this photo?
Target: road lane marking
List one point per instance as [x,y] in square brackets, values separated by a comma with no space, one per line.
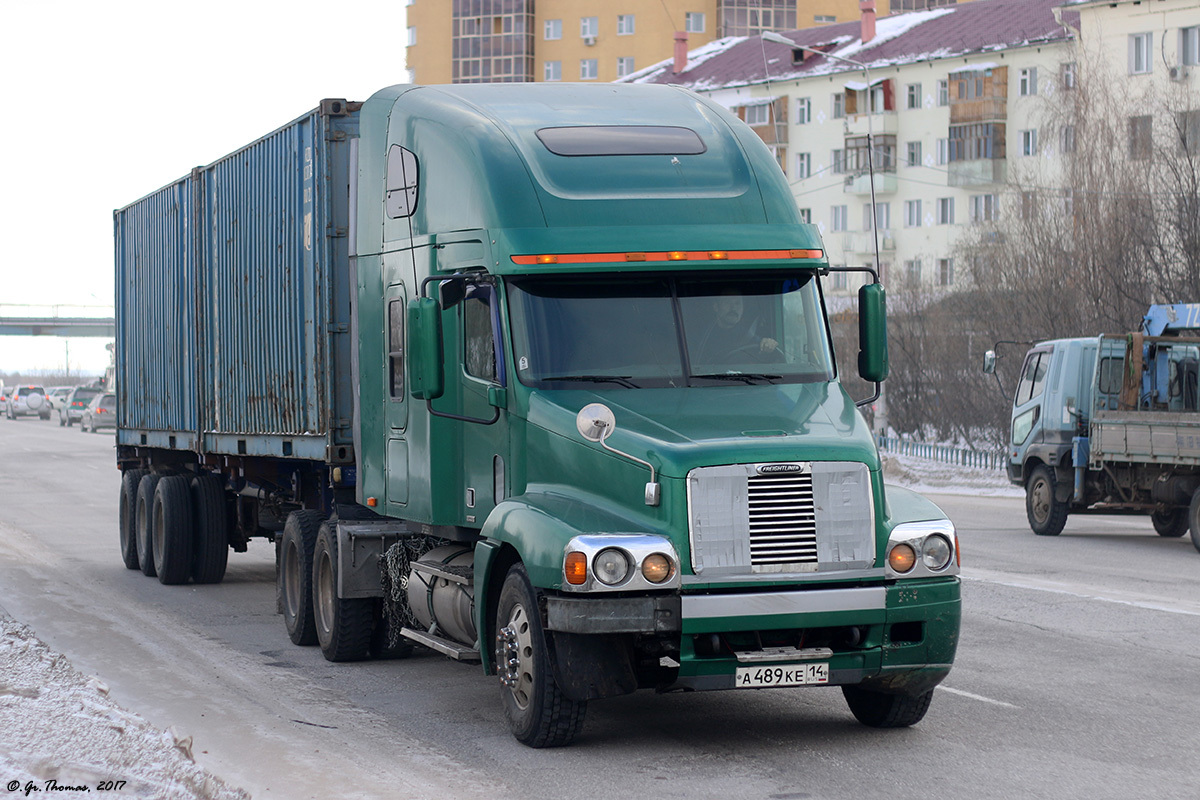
[1188,608]
[978,697]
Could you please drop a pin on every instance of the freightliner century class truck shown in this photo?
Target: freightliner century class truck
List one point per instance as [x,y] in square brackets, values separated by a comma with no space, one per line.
[537,376]
[1111,424]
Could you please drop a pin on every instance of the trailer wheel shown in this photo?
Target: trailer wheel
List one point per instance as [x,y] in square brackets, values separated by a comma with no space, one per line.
[882,710]
[1194,519]
[538,712]
[344,625]
[1171,524]
[294,575]
[144,523]
[210,555]
[1047,515]
[172,534]
[127,518]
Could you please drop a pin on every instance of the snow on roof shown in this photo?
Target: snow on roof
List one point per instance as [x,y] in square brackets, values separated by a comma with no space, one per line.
[981,26]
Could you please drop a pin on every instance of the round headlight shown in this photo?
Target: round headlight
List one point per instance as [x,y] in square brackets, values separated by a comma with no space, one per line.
[657,568]
[936,551]
[902,557]
[611,566]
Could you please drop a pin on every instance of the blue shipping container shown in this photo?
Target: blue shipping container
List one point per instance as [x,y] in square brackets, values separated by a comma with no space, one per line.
[233,294]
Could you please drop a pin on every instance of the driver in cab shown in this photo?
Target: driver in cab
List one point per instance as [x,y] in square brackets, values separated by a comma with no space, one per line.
[729,338]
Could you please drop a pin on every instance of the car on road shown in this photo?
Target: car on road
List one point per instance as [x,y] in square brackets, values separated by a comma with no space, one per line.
[56,395]
[100,413]
[27,401]
[71,410]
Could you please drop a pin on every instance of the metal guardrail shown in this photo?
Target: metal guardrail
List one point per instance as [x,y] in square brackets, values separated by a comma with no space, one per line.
[982,459]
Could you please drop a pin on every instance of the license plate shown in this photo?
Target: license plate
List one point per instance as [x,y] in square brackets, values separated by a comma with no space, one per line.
[789,675]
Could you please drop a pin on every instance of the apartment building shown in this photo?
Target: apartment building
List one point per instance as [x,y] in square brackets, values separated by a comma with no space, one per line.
[480,41]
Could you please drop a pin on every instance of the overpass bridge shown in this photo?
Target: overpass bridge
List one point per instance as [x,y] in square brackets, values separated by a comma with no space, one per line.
[104,327]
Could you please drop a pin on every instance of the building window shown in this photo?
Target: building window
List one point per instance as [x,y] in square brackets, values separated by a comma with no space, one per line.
[803,111]
[625,66]
[1140,137]
[624,24]
[1068,139]
[1188,125]
[945,211]
[839,105]
[979,140]
[914,154]
[589,27]
[883,215]
[945,271]
[752,17]
[985,208]
[841,218]
[912,270]
[839,280]
[1028,205]
[1029,142]
[913,94]
[693,22]
[806,216]
[412,36]
[1067,75]
[803,165]
[1189,45]
[839,161]
[553,29]
[943,88]
[1141,46]
[912,213]
[588,69]
[824,19]
[552,70]
[1027,84]
[758,115]
[943,151]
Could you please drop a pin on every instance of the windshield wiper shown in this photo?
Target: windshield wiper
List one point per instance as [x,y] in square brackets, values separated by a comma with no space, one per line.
[623,380]
[748,377]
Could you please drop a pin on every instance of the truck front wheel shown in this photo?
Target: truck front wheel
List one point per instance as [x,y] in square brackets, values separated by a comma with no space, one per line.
[344,624]
[1047,514]
[883,710]
[538,712]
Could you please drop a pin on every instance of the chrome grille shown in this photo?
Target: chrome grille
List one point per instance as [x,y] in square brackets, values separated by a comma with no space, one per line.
[783,522]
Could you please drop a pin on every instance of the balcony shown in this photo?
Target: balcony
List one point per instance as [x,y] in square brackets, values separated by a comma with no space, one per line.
[859,183]
[879,124]
[978,172]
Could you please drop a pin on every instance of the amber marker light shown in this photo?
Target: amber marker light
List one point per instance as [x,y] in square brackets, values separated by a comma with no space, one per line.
[635,256]
[805,253]
[902,558]
[547,259]
[575,567]
[656,568]
[677,255]
[717,255]
[372,502]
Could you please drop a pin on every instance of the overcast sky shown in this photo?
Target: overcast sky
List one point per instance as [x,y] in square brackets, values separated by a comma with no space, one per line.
[105,102]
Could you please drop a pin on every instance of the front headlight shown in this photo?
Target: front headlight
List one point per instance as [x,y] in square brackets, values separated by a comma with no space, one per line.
[611,566]
[935,552]
[922,549]
[626,562]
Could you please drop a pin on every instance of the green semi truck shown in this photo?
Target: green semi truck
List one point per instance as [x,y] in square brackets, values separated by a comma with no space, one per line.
[538,376]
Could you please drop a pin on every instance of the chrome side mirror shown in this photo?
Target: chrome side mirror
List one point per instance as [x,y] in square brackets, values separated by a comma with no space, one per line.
[989,362]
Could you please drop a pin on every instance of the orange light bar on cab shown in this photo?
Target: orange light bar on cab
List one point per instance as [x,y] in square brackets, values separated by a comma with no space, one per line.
[673,255]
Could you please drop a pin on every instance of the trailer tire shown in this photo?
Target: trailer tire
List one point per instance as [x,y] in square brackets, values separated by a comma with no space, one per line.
[127,517]
[173,523]
[210,555]
[1047,514]
[1171,524]
[539,714]
[1194,519]
[344,624]
[882,710]
[294,575]
[144,523]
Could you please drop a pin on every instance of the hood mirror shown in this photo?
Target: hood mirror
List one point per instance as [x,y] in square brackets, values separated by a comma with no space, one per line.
[596,422]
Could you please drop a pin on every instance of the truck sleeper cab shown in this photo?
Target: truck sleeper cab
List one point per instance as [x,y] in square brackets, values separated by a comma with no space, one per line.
[599,443]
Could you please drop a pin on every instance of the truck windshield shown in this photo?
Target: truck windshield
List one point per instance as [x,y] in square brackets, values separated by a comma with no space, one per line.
[659,331]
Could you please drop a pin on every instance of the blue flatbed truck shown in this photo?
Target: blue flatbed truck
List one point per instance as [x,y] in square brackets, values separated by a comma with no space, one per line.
[536,376]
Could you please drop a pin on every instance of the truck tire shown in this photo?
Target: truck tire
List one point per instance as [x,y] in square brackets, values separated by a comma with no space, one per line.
[173,530]
[344,625]
[127,517]
[882,710]
[1194,519]
[210,554]
[538,713]
[1170,524]
[143,523]
[1047,515]
[294,575]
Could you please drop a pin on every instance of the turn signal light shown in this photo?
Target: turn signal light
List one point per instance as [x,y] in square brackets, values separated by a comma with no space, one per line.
[575,568]
[902,557]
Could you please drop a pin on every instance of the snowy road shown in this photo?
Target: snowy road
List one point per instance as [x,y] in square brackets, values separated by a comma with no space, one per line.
[1074,676]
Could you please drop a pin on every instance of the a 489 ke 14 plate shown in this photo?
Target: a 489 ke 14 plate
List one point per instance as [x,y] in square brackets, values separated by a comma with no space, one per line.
[781,675]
